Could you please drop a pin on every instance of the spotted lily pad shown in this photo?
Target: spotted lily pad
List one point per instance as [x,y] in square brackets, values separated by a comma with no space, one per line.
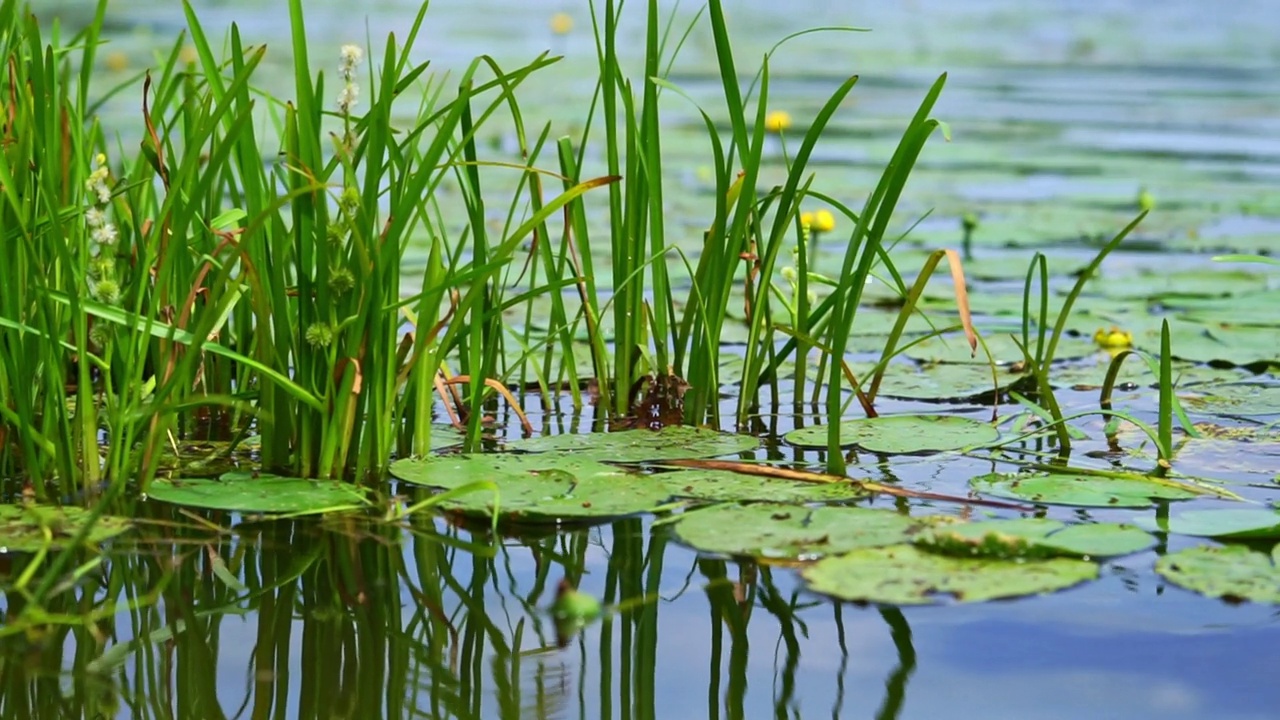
[1233,572]
[792,532]
[537,487]
[1083,490]
[896,434]
[670,443]
[247,492]
[1035,537]
[726,486]
[1230,523]
[29,528]
[906,575]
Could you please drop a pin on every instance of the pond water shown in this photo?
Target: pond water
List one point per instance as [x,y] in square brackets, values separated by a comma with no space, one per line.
[1060,114]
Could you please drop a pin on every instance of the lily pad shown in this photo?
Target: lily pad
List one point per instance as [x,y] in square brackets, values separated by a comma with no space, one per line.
[537,487]
[1199,282]
[1232,524]
[247,492]
[23,527]
[1004,349]
[726,486]
[1082,490]
[792,532]
[906,575]
[942,381]
[1232,572]
[1238,399]
[897,434]
[1035,537]
[670,443]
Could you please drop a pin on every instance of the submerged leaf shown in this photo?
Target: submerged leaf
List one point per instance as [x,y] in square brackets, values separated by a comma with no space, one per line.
[896,434]
[1083,490]
[906,575]
[247,492]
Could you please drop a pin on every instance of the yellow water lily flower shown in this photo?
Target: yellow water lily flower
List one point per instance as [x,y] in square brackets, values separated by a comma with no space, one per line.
[561,23]
[1113,339]
[777,121]
[820,221]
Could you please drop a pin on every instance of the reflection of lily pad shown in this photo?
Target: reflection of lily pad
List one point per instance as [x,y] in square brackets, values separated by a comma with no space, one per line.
[895,434]
[537,488]
[1238,399]
[726,486]
[1232,572]
[792,532]
[1230,523]
[23,527]
[1035,537]
[1084,490]
[669,443]
[906,575]
[245,492]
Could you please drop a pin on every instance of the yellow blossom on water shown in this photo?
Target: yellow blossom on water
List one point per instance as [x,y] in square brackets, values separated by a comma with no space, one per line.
[562,23]
[1113,339]
[806,219]
[188,54]
[777,121]
[116,61]
[824,221]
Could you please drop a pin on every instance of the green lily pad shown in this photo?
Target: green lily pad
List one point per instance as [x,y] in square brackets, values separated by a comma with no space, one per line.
[726,486]
[247,492]
[942,381]
[670,443]
[1199,282]
[23,527]
[1232,572]
[1004,349]
[897,434]
[1238,399]
[1227,524]
[537,487]
[792,532]
[1035,537]
[906,575]
[1082,490]
[1208,456]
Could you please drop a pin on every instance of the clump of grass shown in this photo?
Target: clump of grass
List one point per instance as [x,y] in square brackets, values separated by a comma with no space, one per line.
[242,272]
